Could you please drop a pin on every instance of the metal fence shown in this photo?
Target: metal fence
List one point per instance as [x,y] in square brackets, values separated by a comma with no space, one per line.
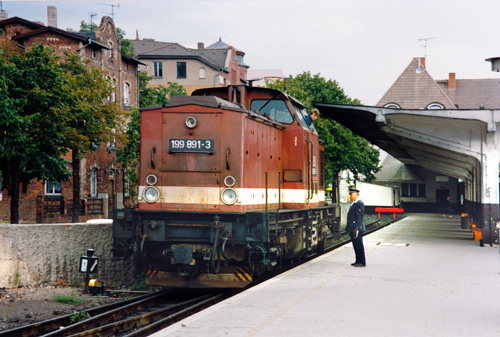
[59,209]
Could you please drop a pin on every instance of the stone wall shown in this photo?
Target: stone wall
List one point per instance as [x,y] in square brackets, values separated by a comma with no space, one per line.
[44,254]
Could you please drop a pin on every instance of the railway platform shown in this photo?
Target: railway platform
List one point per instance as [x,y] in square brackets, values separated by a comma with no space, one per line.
[425,276]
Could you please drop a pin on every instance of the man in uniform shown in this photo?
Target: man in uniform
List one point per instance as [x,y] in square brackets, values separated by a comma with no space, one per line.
[356,227]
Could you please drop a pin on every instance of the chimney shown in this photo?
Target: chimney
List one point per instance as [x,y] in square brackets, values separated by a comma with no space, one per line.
[452,83]
[52,16]
[420,64]
[201,45]
[137,34]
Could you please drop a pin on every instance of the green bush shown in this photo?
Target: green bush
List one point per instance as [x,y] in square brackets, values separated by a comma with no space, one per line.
[78,316]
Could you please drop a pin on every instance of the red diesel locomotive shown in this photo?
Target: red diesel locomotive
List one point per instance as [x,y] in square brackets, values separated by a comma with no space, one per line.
[231,185]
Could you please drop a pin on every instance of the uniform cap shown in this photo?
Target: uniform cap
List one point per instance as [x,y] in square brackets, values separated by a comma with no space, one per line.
[352,190]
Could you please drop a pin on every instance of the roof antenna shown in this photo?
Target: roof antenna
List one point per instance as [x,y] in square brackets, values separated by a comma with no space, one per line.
[112,9]
[425,44]
[92,14]
[425,39]
[1,8]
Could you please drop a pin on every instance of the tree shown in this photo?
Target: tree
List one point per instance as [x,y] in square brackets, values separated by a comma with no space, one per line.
[128,153]
[33,137]
[90,118]
[344,150]
[126,47]
[151,96]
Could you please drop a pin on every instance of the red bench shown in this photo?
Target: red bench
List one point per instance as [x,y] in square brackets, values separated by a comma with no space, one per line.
[392,210]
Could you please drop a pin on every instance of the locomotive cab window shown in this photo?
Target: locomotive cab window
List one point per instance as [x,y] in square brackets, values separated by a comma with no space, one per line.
[276,109]
[300,113]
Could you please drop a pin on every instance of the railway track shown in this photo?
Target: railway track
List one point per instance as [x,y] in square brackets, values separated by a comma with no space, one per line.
[140,316]
[146,314]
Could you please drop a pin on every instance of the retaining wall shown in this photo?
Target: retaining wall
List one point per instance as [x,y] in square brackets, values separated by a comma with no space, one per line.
[45,254]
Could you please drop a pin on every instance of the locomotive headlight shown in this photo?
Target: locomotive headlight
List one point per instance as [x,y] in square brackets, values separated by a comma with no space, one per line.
[229,196]
[151,179]
[229,181]
[151,194]
[191,122]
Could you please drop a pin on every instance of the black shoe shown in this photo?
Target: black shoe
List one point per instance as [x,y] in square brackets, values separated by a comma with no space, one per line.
[352,264]
[359,265]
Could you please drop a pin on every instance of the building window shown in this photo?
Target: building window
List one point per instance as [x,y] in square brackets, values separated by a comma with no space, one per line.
[413,190]
[110,45]
[126,94]
[112,98]
[93,183]
[203,73]
[392,106]
[53,188]
[181,69]
[158,69]
[93,53]
[435,106]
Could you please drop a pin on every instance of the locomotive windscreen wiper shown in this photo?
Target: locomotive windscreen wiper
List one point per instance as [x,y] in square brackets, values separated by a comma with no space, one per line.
[269,100]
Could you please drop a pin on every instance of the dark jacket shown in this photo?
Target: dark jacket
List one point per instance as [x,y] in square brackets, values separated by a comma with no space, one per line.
[355,217]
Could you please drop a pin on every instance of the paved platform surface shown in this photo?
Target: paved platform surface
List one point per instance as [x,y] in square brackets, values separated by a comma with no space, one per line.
[425,276]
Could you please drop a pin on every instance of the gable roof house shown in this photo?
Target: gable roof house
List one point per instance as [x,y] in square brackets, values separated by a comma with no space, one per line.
[217,65]
[416,89]
[99,177]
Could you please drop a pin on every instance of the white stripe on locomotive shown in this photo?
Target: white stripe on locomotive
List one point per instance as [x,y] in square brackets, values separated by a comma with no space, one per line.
[247,196]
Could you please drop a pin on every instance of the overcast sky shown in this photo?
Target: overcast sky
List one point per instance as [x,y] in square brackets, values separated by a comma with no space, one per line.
[362,44]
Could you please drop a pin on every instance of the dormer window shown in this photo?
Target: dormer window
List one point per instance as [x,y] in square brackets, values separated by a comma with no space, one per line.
[435,106]
[392,106]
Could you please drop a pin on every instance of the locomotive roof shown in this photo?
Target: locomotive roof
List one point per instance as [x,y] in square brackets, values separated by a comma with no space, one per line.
[223,90]
[211,101]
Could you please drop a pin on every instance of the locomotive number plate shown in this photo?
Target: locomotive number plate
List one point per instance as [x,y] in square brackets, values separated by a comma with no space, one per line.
[191,145]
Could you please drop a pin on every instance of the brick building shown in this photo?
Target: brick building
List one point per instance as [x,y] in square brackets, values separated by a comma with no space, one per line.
[100,177]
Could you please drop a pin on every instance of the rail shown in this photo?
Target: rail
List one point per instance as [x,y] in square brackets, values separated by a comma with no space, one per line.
[140,316]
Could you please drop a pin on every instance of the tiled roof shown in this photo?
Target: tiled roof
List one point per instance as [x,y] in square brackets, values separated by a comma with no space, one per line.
[217,56]
[142,46]
[218,45]
[415,89]
[20,20]
[172,49]
[51,29]
[474,93]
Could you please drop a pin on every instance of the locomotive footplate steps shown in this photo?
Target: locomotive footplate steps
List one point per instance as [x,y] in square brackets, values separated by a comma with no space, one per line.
[228,277]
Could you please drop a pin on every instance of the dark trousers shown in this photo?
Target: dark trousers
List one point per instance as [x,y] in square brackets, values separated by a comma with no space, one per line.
[359,249]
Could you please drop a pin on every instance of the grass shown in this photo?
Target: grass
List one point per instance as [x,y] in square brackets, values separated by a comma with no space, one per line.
[68,299]
[78,316]
[139,283]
